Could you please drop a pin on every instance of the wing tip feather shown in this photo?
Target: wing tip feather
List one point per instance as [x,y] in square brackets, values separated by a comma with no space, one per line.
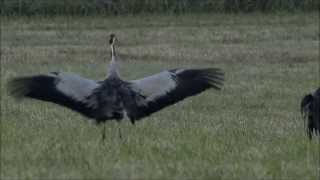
[214,77]
[19,87]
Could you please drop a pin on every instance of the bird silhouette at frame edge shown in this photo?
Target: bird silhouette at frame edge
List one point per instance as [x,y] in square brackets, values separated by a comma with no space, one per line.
[310,110]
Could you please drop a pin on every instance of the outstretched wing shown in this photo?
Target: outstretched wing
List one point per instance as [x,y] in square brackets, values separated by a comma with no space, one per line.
[168,87]
[64,89]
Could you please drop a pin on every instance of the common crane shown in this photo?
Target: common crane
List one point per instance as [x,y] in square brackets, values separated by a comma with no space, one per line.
[114,98]
[310,109]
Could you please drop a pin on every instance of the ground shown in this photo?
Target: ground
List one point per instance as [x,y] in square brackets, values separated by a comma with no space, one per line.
[251,129]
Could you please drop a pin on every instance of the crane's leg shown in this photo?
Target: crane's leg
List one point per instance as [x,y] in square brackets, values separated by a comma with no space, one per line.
[119,130]
[104,132]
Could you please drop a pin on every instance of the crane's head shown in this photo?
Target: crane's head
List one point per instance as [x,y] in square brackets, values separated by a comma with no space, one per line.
[112,39]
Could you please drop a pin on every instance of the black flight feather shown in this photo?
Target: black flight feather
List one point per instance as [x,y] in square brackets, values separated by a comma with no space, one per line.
[44,87]
[189,82]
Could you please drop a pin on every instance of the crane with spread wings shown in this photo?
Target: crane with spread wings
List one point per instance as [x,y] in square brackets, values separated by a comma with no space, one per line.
[114,98]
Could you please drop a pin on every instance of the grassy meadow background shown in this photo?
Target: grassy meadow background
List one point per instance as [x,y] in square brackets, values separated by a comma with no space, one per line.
[251,129]
[121,7]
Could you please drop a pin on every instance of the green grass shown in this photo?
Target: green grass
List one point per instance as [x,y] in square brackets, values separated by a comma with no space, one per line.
[251,129]
[125,7]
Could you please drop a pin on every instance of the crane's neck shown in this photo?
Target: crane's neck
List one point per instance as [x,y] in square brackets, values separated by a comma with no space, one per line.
[113,50]
[113,68]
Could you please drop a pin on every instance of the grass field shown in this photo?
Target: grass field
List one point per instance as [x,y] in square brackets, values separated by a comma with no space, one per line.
[251,129]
